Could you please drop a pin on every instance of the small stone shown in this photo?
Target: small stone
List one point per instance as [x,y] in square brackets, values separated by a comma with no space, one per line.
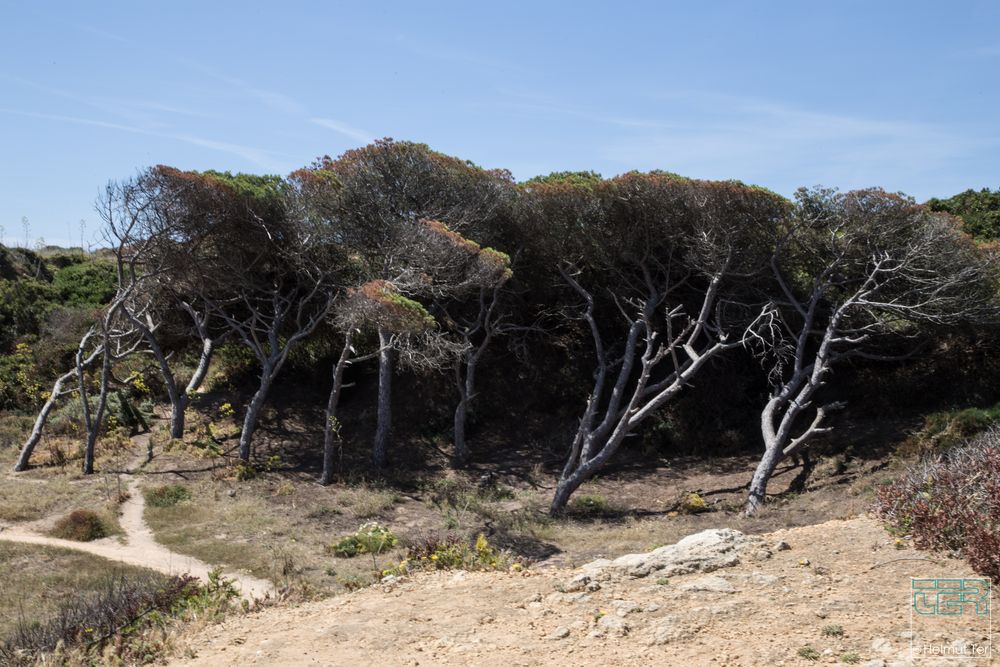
[874,663]
[559,633]
[593,587]
[651,607]
[231,493]
[782,545]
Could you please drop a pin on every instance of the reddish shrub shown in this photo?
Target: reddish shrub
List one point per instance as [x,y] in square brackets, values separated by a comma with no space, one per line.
[951,502]
[80,525]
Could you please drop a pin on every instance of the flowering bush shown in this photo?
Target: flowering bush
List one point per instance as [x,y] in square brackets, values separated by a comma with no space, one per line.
[453,553]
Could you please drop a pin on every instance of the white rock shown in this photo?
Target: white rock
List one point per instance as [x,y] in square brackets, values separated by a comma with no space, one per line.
[559,633]
[706,551]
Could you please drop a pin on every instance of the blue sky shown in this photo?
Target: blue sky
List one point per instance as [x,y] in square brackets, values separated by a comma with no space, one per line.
[898,94]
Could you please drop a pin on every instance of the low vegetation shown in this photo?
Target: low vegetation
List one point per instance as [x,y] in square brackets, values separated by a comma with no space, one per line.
[951,502]
[122,621]
[167,495]
[81,526]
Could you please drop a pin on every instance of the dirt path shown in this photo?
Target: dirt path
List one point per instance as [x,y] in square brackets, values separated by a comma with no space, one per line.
[848,578]
[138,546]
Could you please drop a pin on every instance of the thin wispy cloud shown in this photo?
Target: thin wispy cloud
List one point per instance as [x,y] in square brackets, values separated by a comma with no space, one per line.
[439,50]
[269,98]
[344,129]
[104,34]
[715,136]
[259,157]
[531,104]
[987,51]
[77,120]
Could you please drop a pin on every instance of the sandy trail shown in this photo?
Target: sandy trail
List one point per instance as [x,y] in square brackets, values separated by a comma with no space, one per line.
[138,546]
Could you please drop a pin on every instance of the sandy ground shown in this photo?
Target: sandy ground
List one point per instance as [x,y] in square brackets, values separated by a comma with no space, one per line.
[846,576]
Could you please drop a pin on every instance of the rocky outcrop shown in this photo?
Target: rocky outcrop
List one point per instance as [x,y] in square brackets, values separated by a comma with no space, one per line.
[706,551]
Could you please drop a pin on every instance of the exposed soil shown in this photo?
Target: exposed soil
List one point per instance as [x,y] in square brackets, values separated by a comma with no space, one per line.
[840,590]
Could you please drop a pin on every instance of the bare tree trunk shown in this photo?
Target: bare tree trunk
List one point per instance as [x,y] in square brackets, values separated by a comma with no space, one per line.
[761,476]
[57,391]
[330,425]
[781,413]
[253,413]
[460,456]
[179,403]
[565,488]
[97,420]
[381,447]
[43,416]
[466,391]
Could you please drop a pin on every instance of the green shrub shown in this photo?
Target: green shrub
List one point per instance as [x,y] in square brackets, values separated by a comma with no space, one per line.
[371,538]
[85,284]
[167,495]
[81,526]
[949,428]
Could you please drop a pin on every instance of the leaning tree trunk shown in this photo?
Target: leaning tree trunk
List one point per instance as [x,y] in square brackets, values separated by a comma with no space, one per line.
[253,413]
[381,446]
[331,429]
[40,420]
[761,476]
[57,391]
